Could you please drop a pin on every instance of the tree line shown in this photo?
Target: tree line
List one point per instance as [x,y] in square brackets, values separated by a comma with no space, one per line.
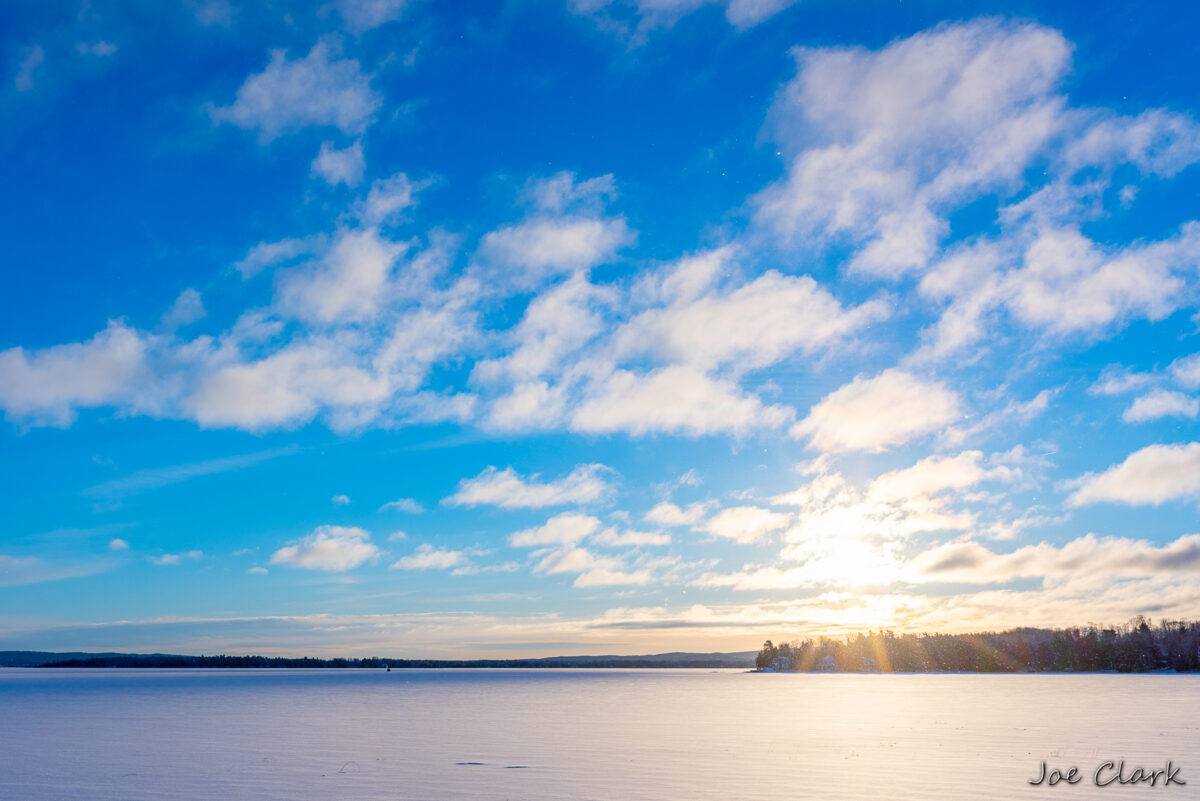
[680,660]
[1134,647]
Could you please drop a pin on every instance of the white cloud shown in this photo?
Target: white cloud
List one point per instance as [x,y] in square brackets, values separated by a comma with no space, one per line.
[1069,285]
[365,15]
[403,505]
[668,514]
[30,61]
[700,404]
[564,192]
[343,166]
[874,414]
[601,576]
[1187,371]
[529,405]
[118,544]
[882,143]
[754,325]
[564,232]
[257,571]
[550,342]
[1115,379]
[652,14]
[46,387]
[1150,476]
[612,538]
[334,549]
[543,247]
[187,309]
[268,254]
[347,284]
[934,474]
[594,571]
[426,557]
[1051,278]
[1158,142]
[556,325]
[1091,556]
[509,490]
[287,388]
[175,558]
[387,197]
[319,89]
[1161,403]
[746,524]
[340,500]
[565,529]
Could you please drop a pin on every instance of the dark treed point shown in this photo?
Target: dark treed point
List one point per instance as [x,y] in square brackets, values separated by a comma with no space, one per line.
[1135,647]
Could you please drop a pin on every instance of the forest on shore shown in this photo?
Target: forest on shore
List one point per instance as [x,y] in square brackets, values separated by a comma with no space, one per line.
[1134,647]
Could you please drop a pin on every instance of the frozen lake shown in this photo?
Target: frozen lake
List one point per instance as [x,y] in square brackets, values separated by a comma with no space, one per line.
[586,734]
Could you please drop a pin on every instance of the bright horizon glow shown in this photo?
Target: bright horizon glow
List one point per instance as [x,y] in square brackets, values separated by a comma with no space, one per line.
[632,328]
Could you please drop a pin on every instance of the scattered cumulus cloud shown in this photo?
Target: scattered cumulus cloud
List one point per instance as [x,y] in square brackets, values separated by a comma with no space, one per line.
[616,538]
[564,231]
[334,549]
[874,414]
[1116,379]
[637,18]
[750,325]
[935,474]
[269,254]
[1187,371]
[176,558]
[507,489]
[745,524]
[668,514]
[187,309]
[403,505]
[427,557]
[343,166]
[45,387]
[1095,557]
[1161,403]
[561,530]
[319,89]
[700,405]
[364,15]
[1148,477]
[879,144]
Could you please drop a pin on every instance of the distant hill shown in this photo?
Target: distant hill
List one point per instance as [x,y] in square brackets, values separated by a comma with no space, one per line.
[742,659]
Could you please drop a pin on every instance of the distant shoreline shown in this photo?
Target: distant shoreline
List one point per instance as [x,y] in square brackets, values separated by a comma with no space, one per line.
[42,659]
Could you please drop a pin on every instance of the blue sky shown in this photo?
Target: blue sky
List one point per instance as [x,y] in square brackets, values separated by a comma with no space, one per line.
[376,326]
